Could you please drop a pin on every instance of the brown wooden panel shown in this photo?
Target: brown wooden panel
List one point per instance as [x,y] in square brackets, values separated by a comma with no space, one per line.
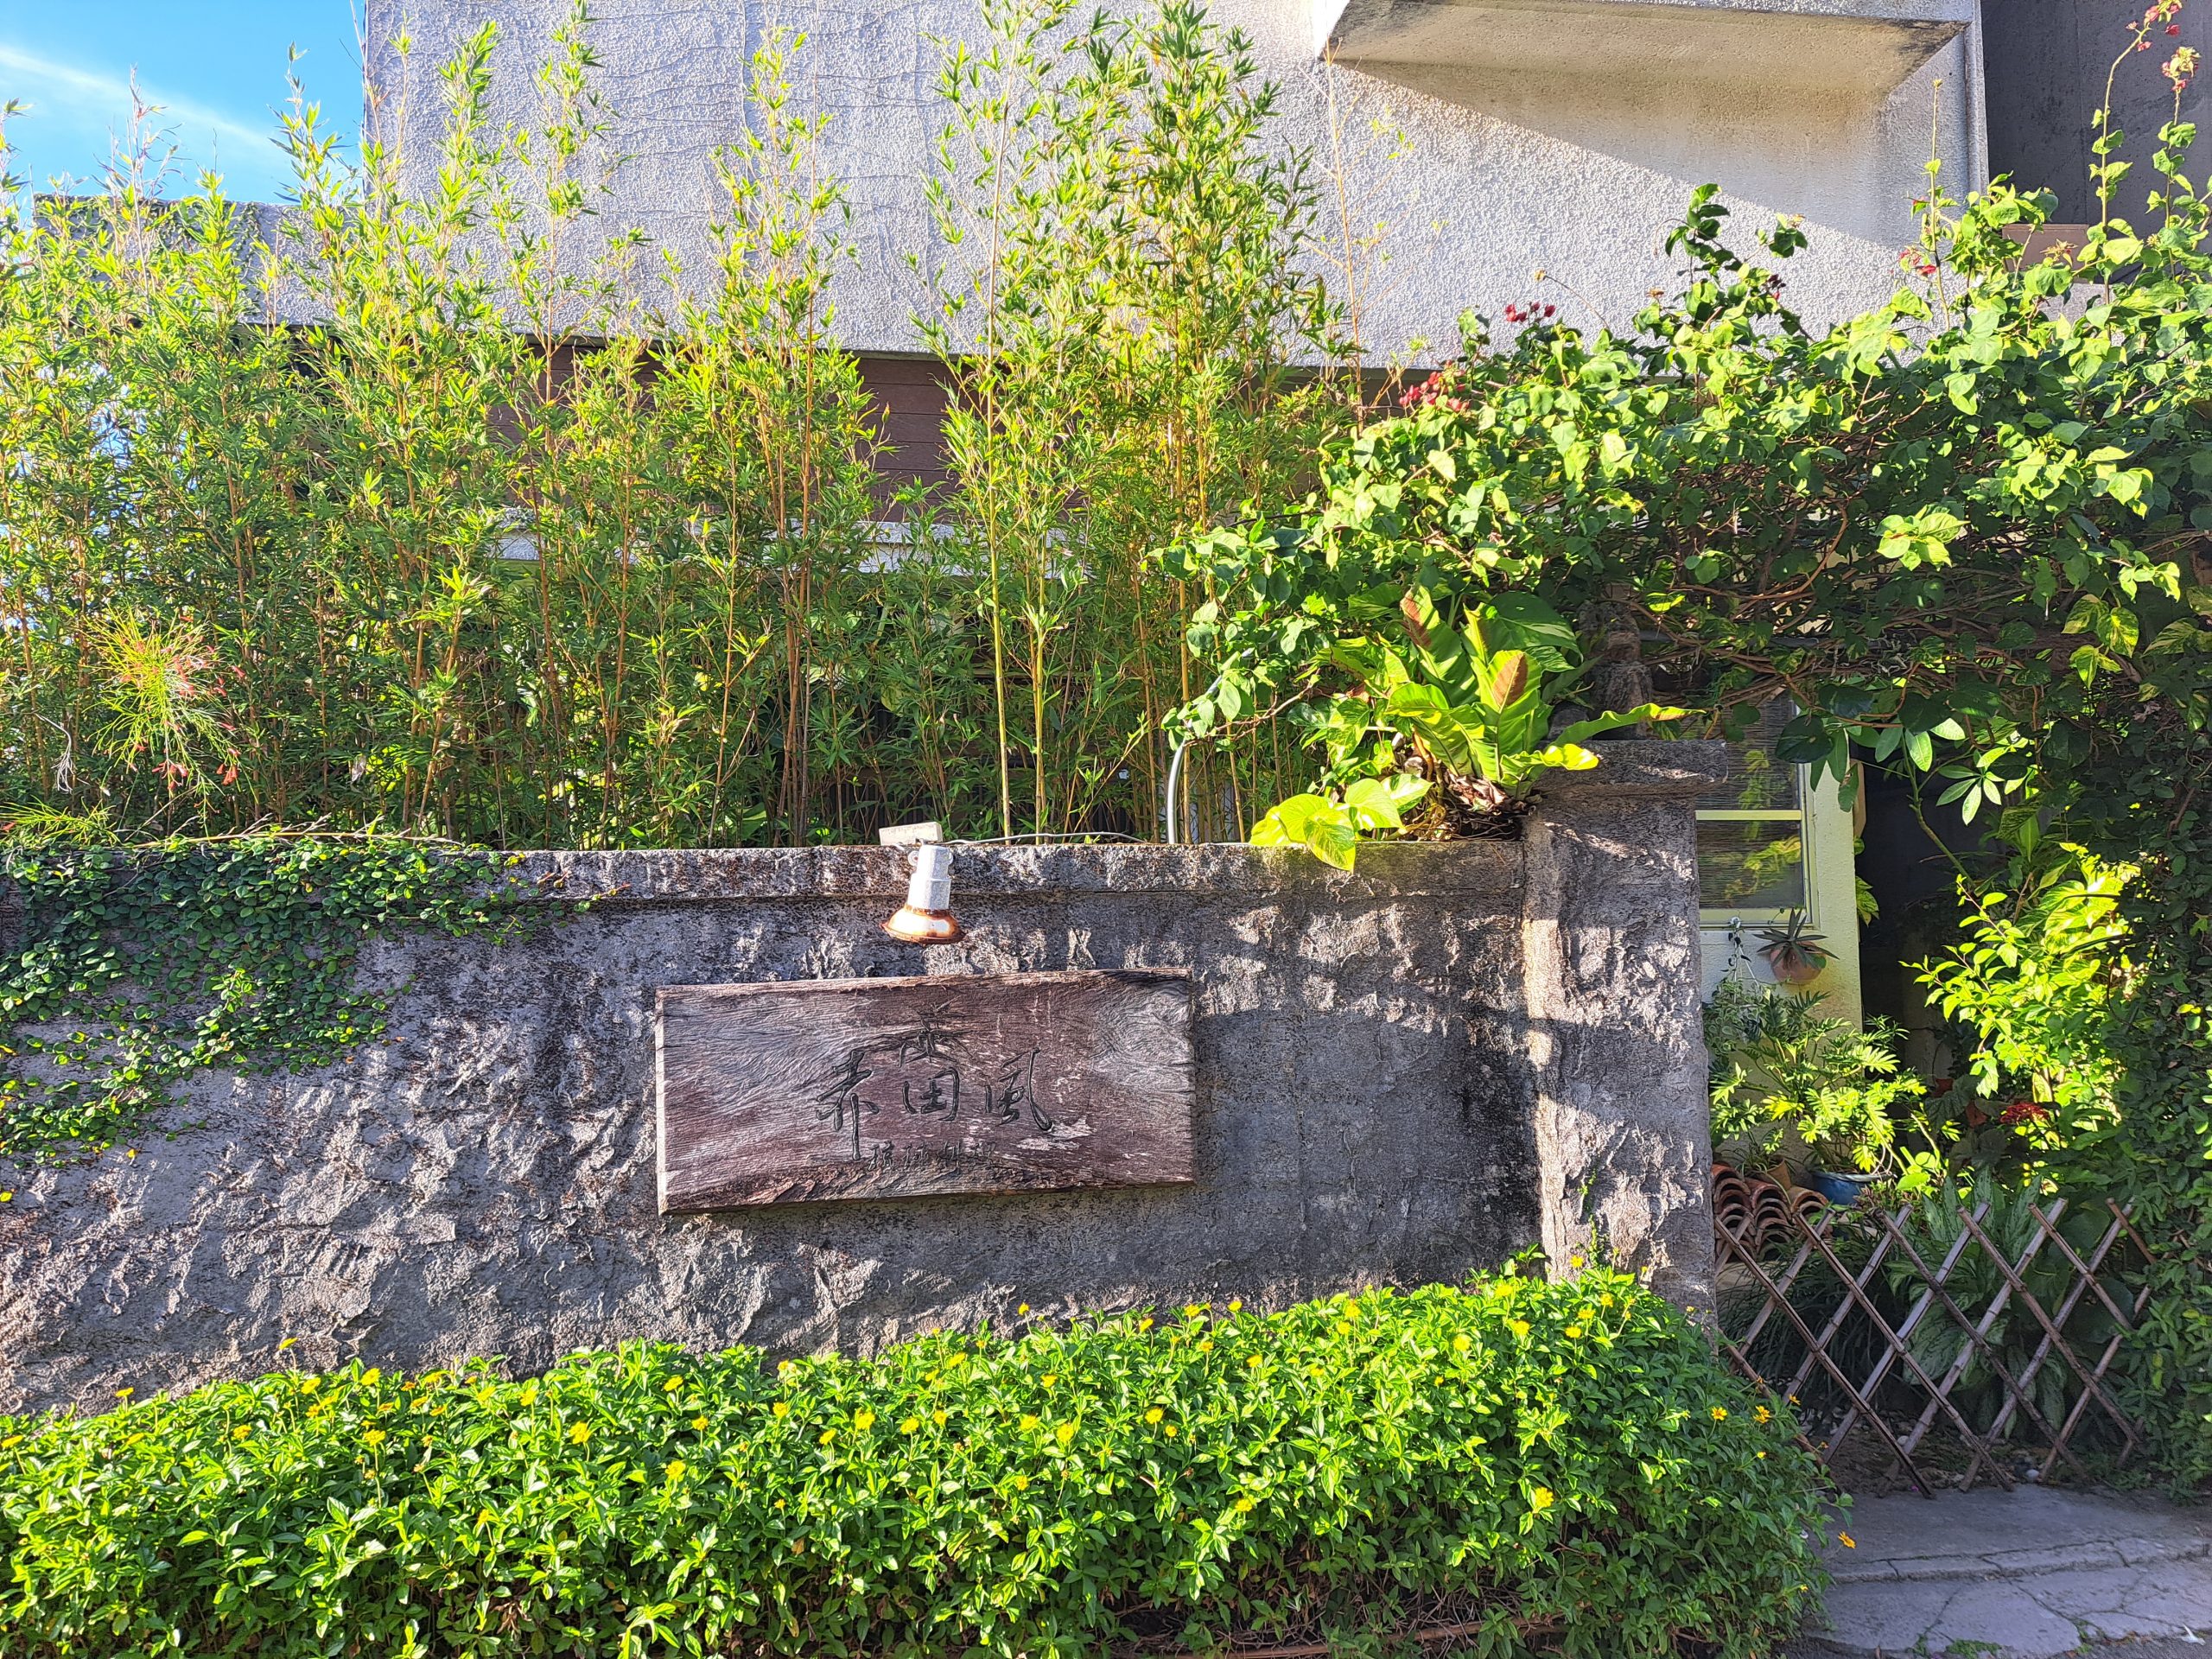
[800,1090]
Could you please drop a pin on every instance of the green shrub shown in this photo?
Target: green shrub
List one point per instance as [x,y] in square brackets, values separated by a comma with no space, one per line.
[1566,1465]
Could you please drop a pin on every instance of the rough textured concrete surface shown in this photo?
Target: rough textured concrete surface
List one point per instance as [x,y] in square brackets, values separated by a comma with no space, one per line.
[1504,139]
[2030,1573]
[1403,1075]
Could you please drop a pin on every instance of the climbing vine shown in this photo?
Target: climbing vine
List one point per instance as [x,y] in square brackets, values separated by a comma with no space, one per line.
[124,971]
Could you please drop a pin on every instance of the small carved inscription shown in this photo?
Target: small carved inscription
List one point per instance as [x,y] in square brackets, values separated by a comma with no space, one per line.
[798,1091]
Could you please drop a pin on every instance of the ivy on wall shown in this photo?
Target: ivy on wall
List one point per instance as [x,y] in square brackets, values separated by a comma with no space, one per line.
[124,971]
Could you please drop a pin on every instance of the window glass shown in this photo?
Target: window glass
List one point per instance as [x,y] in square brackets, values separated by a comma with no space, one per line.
[1750,863]
[1751,830]
[1757,781]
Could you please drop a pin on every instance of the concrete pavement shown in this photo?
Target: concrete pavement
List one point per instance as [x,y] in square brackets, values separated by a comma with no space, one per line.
[2027,1574]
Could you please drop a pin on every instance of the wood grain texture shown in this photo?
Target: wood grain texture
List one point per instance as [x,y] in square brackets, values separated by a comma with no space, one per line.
[796,1091]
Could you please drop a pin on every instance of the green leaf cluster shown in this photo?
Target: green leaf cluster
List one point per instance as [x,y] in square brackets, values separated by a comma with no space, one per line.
[1782,1069]
[1475,698]
[130,969]
[1564,1466]
[444,499]
[1967,534]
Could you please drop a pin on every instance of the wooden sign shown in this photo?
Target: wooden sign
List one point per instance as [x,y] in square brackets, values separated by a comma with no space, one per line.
[805,1089]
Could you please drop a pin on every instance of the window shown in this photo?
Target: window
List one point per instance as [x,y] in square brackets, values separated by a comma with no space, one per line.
[1751,832]
[1768,841]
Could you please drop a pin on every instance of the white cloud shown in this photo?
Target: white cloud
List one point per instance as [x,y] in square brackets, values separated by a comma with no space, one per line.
[92,102]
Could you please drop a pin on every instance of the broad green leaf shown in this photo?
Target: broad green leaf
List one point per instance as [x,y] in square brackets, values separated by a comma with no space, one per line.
[1614,719]
[1568,757]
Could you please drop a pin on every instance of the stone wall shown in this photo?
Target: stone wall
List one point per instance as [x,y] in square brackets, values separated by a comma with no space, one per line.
[1403,1075]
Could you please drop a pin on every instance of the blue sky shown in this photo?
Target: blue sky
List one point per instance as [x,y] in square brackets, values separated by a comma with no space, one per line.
[217,69]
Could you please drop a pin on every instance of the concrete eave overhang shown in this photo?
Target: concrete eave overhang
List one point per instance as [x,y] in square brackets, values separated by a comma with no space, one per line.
[1472,52]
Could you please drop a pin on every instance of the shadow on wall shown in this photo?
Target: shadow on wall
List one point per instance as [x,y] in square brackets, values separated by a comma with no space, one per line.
[2048,61]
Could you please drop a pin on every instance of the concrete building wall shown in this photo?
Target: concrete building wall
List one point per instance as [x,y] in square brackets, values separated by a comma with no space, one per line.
[1401,1076]
[2048,61]
[1484,140]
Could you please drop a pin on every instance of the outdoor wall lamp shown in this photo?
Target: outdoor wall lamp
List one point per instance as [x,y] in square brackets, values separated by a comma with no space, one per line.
[926,918]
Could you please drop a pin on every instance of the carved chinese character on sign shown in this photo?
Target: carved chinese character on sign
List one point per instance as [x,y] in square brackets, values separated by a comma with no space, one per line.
[886,1088]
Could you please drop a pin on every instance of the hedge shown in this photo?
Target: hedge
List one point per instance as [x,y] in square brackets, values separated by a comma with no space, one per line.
[1549,1467]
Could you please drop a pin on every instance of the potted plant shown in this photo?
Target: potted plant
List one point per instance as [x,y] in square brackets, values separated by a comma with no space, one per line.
[1796,953]
[1849,1131]
[1789,1080]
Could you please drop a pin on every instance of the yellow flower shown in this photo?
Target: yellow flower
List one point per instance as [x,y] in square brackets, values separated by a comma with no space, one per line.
[1252,1361]
[1606,1300]
[1207,1347]
[1021,1483]
[1237,1306]
[863,1421]
[1846,1541]
[1050,1378]
[1028,1421]
[1461,1343]
[671,1385]
[785,1367]
[699,1423]
[1169,1431]
[1762,1414]
[580,1433]
[1573,1332]
[1245,1506]
[374,1437]
[124,1393]
[1721,1413]
[1064,1432]
[676,1470]
[1192,1310]
[1762,1454]
[1519,1327]
[1143,1326]
[1154,1414]
[938,1417]
[1024,1308]
[910,1424]
[781,1408]
[7,1197]
[827,1435]
[1540,1500]
[241,1432]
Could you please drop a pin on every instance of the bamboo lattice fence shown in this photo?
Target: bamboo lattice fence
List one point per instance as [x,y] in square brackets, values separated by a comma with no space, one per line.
[1956,1338]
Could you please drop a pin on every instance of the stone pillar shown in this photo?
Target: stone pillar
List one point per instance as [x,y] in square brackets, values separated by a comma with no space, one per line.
[1616,1047]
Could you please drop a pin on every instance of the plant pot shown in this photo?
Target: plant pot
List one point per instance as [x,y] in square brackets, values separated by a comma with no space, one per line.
[1841,1191]
[1797,972]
